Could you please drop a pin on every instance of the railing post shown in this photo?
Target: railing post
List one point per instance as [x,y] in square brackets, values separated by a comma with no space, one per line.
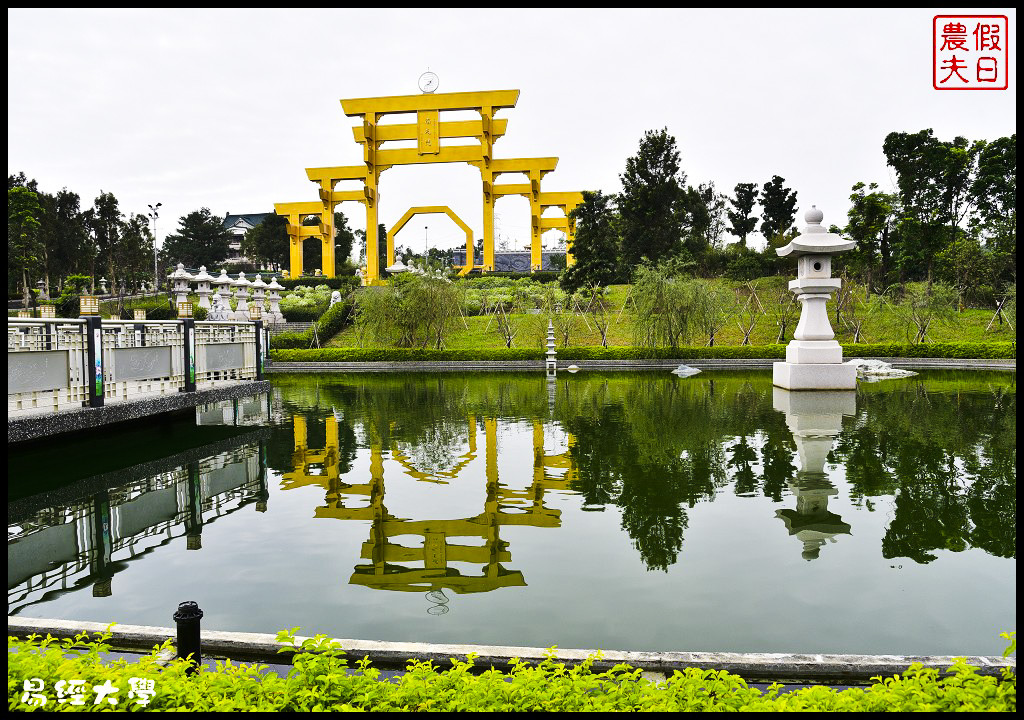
[259,348]
[189,333]
[94,358]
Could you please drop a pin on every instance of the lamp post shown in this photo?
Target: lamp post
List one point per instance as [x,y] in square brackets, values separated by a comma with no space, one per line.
[153,215]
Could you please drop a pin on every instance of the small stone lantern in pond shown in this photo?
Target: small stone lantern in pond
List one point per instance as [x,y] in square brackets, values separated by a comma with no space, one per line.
[814,360]
[203,280]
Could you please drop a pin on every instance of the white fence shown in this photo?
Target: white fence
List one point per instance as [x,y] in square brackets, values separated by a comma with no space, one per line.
[48,368]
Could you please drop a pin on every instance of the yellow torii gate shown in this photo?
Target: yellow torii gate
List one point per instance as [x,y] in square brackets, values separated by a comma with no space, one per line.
[428,132]
[429,210]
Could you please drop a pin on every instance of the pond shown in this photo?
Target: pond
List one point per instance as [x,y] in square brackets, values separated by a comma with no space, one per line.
[635,511]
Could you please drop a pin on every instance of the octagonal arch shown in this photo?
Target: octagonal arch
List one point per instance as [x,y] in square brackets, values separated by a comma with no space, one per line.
[431,210]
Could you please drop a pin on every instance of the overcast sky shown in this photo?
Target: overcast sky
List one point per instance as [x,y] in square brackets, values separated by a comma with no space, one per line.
[225,108]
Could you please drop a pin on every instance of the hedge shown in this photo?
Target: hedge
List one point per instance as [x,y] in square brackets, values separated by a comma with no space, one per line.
[321,679]
[327,326]
[768,352]
[343,282]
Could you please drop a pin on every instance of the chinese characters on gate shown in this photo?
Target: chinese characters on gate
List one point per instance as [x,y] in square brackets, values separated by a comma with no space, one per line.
[970,52]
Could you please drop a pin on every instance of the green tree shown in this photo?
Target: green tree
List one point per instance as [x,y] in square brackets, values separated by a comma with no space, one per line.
[652,209]
[343,240]
[65,236]
[741,220]
[201,240]
[778,211]
[934,179]
[268,242]
[24,247]
[994,193]
[595,247]
[868,223]
[105,224]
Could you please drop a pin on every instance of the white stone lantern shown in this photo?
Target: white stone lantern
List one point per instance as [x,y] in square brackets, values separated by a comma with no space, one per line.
[815,419]
[814,360]
[220,310]
[223,285]
[258,291]
[103,285]
[274,295]
[181,279]
[203,290]
[241,286]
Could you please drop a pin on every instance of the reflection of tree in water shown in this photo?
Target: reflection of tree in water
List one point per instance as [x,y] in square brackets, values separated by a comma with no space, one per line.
[948,458]
[653,445]
[658,447]
[435,448]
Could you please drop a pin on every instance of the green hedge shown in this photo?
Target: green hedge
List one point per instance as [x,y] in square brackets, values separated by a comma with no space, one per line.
[321,680]
[768,352]
[328,325]
[343,282]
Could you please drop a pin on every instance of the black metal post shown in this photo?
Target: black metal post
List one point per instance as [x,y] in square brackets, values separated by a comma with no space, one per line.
[94,358]
[259,348]
[189,334]
[189,642]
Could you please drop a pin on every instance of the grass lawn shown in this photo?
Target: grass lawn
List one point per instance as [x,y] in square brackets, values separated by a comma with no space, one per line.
[880,326]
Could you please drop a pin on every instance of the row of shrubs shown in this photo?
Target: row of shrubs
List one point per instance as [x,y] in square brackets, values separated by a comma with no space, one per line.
[774,352]
[322,680]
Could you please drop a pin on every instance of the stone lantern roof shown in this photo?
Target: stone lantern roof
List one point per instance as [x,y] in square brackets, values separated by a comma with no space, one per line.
[816,240]
[258,282]
[274,285]
[202,275]
[181,274]
[241,281]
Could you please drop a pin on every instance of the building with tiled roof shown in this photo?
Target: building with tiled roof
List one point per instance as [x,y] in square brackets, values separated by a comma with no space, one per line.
[238,226]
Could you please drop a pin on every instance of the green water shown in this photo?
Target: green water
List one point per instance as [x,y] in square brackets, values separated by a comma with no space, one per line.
[621,511]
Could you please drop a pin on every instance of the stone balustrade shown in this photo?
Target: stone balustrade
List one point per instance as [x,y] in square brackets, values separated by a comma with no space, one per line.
[59,364]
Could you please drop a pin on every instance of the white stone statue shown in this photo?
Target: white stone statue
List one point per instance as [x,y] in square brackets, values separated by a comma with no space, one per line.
[335,298]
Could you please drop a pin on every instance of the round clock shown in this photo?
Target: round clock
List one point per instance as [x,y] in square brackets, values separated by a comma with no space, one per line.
[428,82]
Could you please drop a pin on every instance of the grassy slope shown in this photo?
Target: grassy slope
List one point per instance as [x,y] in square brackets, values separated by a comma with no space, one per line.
[881,326]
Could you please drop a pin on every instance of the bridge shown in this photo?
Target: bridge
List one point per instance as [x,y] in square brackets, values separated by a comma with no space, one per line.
[67,374]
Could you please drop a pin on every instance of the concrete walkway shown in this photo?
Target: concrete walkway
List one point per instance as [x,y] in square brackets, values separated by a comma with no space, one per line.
[754,667]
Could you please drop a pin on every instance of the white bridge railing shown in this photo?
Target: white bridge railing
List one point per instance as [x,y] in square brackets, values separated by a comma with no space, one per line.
[63,364]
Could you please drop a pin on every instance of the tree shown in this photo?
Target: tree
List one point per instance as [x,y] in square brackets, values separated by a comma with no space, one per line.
[343,239]
[651,206]
[778,211]
[868,223]
[268,242]
[65,236]
[934,179]
[105,223]
[705,208]
[994,193]
[595,247]
[201,239]
[741,221]
[24,247]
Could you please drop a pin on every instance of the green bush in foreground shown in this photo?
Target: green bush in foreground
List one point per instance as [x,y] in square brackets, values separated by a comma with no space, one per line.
[319,680]
[776,352]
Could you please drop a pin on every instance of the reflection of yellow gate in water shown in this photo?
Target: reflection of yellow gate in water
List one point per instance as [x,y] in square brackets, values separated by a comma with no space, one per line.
[503,506]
